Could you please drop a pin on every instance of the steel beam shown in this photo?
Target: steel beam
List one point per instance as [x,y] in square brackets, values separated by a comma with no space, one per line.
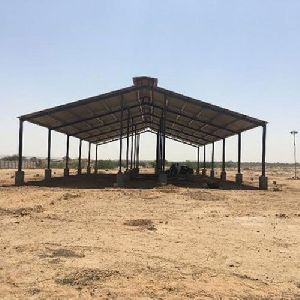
[179,131]
[108,132]
[192,128]
[194,119]
[209,106]
[186,142]
[98,135]
[102,126]
[93,117]
[179,139]
[79,103]
[116,139]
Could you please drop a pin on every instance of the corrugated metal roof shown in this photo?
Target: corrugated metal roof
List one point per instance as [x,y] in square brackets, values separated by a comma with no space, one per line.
[97,119]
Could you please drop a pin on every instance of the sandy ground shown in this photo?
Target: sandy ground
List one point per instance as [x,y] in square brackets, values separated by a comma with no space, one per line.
[173,242]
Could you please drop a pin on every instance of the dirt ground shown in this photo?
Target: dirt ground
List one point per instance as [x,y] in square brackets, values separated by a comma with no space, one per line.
[68,241]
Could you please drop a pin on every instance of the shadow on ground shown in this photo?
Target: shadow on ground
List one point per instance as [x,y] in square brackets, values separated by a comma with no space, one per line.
[142,181]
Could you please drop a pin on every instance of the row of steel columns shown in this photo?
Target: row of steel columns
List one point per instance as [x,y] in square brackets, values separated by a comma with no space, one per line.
[161,148]
[66,169]
[263,180]
[132,162]
[239,178]
[19,178]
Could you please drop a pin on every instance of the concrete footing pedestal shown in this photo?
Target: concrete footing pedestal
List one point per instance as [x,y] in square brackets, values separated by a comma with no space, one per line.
[79,171]
[48,174]
[126,177]
[121,179]
[203,172]
[263,182]
[162,179]
[66,171]
[223,176]
[212,173]
[88,170]
[19,178]
[96,171]
[239,178]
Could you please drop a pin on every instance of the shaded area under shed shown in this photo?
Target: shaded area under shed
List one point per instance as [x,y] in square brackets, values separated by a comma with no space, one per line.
[141,181]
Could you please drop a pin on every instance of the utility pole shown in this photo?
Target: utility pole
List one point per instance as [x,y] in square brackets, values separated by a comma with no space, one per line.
[294,132]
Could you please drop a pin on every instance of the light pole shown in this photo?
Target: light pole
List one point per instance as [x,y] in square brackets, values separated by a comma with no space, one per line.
[294,132]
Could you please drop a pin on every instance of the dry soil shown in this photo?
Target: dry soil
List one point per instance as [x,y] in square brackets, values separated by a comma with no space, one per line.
[171,242]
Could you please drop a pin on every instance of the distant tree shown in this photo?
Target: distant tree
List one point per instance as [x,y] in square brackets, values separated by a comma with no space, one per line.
[12,157]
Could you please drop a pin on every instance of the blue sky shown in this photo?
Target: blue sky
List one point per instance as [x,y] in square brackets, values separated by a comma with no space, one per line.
[242,55]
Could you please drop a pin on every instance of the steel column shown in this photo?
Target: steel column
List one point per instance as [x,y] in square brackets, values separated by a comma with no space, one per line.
[96,160]
[157,152]
[263,163]
[127,139]
[239,152]
[198,160]
[138,152]
[131,154]
[223,173]
[204,157]
[89,160]
[19,174]
[164,134]
[212,156]
[67,152]
[20,162]
[212,171]
[79,157]
[66,170]
[49,149]
[223,156]
[263,180]
[134,152]
[161,146]
[121,135]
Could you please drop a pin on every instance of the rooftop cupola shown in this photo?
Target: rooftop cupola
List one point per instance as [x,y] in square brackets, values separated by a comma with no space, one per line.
[144,81]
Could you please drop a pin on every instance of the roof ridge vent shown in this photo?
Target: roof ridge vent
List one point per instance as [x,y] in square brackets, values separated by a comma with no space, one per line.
[144,81]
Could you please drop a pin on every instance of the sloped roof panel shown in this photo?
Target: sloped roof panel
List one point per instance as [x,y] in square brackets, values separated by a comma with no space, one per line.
[98,119]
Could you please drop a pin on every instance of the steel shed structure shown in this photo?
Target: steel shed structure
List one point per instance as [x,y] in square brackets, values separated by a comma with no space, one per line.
[144,106]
